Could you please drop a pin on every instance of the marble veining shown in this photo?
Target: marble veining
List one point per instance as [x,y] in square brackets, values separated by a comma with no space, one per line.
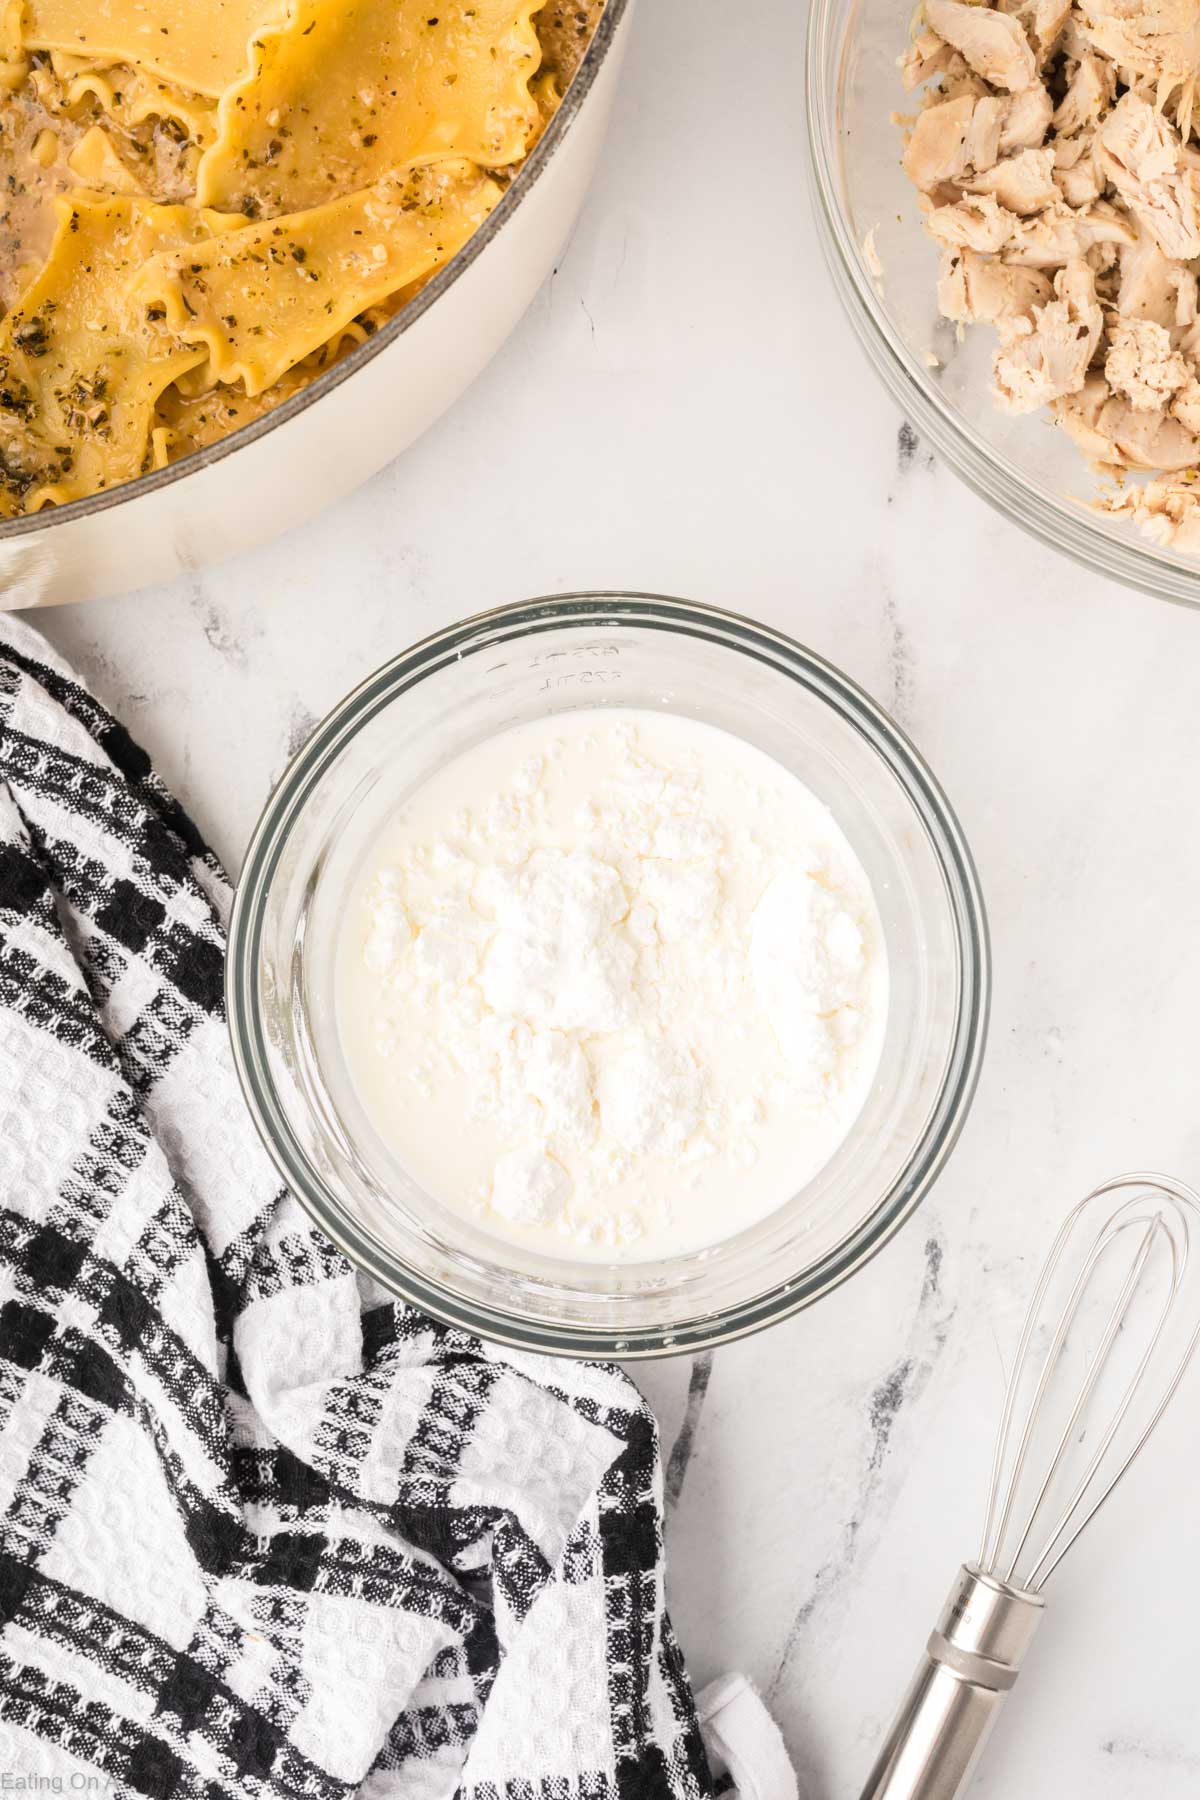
[900,1387]
[910,453]
[673,417]
[680,1455]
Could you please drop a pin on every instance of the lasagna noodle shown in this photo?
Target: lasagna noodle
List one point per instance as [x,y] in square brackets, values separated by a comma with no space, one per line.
[132,97]
[198,44]
[95,162]
[108,131]
[194,411]
[262,298]
[29,180]
[186,420]
[134,296]
[81,363]
[347,90]
[205,203]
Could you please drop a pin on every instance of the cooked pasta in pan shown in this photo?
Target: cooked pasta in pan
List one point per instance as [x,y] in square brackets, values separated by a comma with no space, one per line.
[203,203]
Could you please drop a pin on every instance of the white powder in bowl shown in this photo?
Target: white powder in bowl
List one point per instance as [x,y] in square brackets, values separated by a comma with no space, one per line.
[612,984]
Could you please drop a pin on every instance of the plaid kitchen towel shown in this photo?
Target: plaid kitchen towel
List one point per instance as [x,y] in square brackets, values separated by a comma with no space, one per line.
[263,1531]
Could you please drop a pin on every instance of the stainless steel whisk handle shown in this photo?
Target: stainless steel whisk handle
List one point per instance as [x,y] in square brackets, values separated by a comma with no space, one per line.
[972,1659]
[1134,1266]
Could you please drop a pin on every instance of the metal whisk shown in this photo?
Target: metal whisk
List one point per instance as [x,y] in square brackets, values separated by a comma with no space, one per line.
[1149,1330]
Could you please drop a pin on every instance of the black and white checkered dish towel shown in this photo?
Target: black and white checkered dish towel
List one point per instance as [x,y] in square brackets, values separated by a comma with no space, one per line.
[264,1531]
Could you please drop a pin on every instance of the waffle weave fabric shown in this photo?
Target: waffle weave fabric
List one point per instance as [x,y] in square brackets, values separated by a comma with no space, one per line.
[263,1531]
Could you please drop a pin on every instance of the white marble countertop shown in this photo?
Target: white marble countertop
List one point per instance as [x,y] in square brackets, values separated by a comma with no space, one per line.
[684,410]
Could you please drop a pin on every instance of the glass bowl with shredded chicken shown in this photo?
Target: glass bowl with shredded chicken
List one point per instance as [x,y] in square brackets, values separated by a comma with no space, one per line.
[1009,200]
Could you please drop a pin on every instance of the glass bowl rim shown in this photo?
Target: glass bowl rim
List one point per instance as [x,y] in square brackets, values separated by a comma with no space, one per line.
[1069,530]
[741,635]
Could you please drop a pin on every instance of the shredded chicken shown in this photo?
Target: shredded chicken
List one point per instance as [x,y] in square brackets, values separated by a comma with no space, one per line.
[1167,509]
[993,43]
[1026,120]
[1158,40]
[1045,357]
[1089,94]
[1022,184]
[1114,434]
[1142,365]
[973,287]
[1143,157]
[937,147]
[1057,160]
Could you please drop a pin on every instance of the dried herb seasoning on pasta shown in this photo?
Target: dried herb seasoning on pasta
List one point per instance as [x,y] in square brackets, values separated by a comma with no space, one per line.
[203,203]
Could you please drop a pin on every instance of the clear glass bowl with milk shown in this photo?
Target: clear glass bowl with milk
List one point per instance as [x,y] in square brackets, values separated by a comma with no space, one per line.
[411,744]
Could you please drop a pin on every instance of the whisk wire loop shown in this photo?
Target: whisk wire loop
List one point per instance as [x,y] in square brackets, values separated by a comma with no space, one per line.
[974,1654]
[1163,1211]
[1118,1317]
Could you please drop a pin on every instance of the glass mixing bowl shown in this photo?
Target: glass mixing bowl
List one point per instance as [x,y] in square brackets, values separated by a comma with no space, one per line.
[1025,467]
[461,687]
